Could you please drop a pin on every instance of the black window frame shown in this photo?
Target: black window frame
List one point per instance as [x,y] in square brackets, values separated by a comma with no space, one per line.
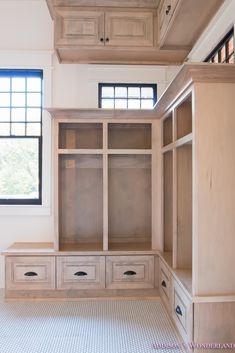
[26,73]
[219,46]
[138,85]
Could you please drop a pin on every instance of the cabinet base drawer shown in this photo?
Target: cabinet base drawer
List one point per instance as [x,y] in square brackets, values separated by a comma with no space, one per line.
[182,312]
[165,285]
[80,272]
[30,272]
[123,272]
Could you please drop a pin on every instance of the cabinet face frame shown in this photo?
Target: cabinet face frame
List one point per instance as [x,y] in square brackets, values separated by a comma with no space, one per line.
[105,152]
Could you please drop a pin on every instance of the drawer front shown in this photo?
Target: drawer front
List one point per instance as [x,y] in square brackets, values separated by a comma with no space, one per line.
[30,273]
[80,272]
[182,312]
[165,285]
[124,272]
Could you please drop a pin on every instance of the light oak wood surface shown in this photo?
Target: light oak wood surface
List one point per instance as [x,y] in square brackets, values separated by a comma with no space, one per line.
[129,272]
[80,272]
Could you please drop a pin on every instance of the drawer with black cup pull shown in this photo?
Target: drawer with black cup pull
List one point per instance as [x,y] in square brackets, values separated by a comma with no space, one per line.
[80,272]
[30,272]
[126,272]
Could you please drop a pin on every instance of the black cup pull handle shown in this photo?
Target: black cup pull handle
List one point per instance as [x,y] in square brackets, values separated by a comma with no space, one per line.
[30,274]
[80,274]
[101,39]
[129,273]
[178,310]
[107,40]
[163,284]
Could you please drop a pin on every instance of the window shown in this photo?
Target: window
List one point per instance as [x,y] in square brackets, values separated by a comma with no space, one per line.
[224,51]
[127,96]
[20,136]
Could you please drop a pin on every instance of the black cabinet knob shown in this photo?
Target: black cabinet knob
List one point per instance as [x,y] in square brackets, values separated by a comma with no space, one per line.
[107,40]
[101,39]
[168,9]
[163,284]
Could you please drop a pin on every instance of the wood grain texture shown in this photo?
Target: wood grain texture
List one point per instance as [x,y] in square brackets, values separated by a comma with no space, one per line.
[168,201]
[118,267]
[214,322]
[80,272]
[183,320]
[185,21]
[214,189]
[184,207]
[104,3]
[184,118]
[129,198]
[189,73]
[81,199]
[78,295]
[30,273]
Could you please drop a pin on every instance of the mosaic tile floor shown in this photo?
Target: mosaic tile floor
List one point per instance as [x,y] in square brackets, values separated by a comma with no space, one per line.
[104,326]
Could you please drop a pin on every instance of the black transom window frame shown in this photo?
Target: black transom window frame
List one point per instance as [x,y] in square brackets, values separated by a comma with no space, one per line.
[126,85]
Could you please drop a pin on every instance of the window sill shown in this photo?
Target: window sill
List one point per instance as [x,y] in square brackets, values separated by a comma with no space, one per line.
[25,210]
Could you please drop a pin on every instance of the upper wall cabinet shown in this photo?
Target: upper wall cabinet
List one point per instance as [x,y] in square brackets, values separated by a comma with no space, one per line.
[103,28]
[182,21]
[155,32]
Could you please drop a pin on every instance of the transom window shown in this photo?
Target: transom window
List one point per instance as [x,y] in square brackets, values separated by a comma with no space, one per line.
[127,96]
[224,51]
[20,136]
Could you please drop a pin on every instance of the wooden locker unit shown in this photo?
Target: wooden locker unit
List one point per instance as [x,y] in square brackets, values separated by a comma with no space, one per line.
[168,176]
[198,174]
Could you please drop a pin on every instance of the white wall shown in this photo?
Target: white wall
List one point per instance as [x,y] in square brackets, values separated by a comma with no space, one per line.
[26,41]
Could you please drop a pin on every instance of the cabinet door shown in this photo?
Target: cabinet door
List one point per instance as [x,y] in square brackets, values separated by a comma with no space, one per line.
[166,10]
[79,27]
[131,29]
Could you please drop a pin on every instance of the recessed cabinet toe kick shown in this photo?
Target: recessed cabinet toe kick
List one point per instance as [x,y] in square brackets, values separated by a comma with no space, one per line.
[144,206]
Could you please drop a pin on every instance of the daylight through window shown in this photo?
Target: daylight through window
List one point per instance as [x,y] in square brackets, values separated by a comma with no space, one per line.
[224,51]
[127,96]
[20,136]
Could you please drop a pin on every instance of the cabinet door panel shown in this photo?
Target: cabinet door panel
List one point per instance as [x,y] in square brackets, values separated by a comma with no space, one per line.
[128,29]
[79,27]
[166,11]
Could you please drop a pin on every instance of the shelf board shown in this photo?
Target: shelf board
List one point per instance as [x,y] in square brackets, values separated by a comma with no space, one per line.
[185,140]
[167,148]
[102,151]
[30,249]
[167,257]
[130,247]
[80,151]
[81,247]
[129,151]
[185,278]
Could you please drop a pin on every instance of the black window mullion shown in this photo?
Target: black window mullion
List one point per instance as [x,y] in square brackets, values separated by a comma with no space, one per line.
[127,98]
[11,73]
[224,43]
